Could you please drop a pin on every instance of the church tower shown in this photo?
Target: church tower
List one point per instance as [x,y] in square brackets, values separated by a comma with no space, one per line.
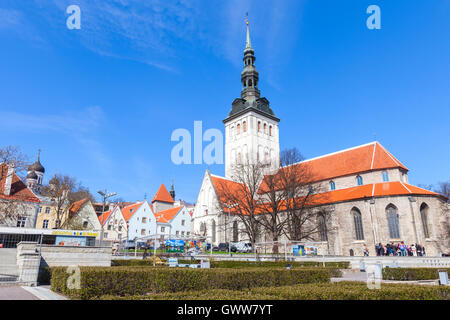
[251,128]
[35,174]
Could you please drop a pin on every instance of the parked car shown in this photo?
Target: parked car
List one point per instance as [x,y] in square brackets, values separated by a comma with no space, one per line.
[193,251]
[245,247]
[225,247]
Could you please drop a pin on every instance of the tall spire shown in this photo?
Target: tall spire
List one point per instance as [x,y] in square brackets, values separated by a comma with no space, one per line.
[248,43]
[249,76]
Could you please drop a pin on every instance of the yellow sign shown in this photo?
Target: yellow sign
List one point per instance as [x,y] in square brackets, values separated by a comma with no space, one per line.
[75,233]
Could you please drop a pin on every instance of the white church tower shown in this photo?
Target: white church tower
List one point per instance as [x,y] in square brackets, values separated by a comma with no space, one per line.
[251,128]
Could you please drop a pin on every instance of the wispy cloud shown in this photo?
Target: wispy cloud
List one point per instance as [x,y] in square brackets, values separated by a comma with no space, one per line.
[159,32]
[80,126]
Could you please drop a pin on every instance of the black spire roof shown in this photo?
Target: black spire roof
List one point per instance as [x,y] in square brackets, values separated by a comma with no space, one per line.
[250,95]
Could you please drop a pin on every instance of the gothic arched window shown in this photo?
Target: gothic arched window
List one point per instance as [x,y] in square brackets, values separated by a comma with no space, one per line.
[244,126]
[385,176]
[323,234]
[270,130]
[359,180]
[213,231]
[235,232]
[250,84]
[392,217]
[238,128]
[265,127]
[357,220]
[332,185]
[424,217]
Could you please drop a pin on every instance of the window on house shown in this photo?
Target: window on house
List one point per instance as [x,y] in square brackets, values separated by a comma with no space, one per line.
[105,234]
[244,126]
[357,221]
[332,186]
[259,126]
[163,229]
[182,222]
[392,217]
[385,176]
[120,228]
[47,210]
[21,221]
[142,232]
[424,217]
[238,129]
[265,127]
[359,180]
[45,224]
[85,224]
[270,131]
[144,220]
[177,233]
[188,233]
[40,209]
[57,223]
[182,233]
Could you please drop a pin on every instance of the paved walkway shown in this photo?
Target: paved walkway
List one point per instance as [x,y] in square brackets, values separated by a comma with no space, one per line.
[28,293]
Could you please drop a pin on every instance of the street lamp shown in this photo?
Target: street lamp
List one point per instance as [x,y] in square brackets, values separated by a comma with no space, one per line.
[105,196]
[229,206]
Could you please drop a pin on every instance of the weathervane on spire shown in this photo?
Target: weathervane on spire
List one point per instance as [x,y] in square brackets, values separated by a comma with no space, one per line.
[246,19]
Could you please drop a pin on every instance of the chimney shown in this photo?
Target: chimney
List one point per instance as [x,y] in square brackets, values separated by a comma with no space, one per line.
[8,180]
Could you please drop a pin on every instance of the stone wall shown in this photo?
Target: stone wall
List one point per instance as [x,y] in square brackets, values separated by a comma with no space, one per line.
[75,256]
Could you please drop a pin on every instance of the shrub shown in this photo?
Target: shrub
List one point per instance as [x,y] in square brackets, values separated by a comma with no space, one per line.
[122,281]
[239,264]
[411,274]
[318,291]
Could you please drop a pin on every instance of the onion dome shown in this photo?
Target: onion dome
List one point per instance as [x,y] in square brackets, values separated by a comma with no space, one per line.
[32,175]
[37,166]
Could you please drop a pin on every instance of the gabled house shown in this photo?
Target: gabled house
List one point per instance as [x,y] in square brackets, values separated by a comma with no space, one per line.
[140,219]
[114,225]
[82,216]
[18,204]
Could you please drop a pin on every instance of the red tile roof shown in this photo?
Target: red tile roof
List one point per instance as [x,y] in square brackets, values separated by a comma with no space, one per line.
[19,191]
[104,217]
[76,206]
[226,186]
[372,156]
[166,216]
[128,211]
[395,188]
[365,158]
[163,195]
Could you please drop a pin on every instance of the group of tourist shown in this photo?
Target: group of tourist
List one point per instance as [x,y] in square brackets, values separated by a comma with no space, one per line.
[399,249]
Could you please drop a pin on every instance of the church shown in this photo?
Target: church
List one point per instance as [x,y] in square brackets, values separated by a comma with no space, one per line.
[366,186]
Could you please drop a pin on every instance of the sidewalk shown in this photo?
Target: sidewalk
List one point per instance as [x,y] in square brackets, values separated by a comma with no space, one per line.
[29,293]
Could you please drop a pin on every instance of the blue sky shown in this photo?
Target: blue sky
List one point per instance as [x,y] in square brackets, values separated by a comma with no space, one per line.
[102,102]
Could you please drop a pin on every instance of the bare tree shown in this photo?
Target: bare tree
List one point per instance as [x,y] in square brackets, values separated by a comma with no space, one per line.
[11,155]
[63,191]
[307,215]
[242,195]
[12,161]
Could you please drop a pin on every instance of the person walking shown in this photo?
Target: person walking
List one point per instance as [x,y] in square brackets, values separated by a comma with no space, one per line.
[365,250]
[402,248]
[414,250]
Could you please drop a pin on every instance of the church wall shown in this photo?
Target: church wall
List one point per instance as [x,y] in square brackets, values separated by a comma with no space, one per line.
[378,231]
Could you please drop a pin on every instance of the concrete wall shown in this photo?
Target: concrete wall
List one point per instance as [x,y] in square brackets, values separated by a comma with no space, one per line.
[75,256]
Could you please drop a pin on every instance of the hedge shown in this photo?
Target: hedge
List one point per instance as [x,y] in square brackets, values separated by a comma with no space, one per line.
[319,291]
[239,264]
[123,281]
[411,274]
